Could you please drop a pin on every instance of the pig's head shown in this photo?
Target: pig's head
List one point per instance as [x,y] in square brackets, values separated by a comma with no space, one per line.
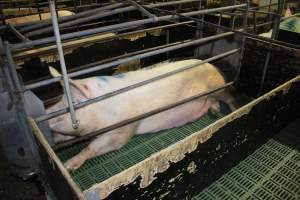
[63,123]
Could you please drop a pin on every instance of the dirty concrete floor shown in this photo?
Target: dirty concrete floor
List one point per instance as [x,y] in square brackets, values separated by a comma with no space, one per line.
[13,188]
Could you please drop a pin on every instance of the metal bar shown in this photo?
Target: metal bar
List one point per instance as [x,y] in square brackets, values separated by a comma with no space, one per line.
[125,25]
[90,101]
[75,6]
[219,22]
[67,90]
[71,17]
[105,14]
[137,118]
[87,13]
[117,62]
[153,112]
[81,20]
[142,9]
[3,17]
[167,40]
[17,33]
[254,23]
[118,36]
[249,35]
[199,30]
[38,9]
[245,25]
[274,36]
[259,11]
[19,102]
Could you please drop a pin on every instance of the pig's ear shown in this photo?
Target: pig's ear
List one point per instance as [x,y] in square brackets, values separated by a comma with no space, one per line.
[79,90]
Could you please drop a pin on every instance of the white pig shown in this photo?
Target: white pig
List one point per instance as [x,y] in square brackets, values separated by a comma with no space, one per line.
[135,102]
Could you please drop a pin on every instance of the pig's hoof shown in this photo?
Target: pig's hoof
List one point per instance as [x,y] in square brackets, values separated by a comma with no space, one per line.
[215,108]
[73,163]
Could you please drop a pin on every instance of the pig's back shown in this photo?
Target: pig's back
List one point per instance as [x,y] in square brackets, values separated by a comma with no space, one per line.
[153,95]
[111,83]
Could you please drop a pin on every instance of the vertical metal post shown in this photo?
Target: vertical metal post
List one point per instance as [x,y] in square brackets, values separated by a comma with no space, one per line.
[274,36]
[245,26]
[75,6]
[219,22]
[233,17]
[167,40]
[38,9]
[254,22]
[67,90]
[3,17]
[199,31]
[18,100]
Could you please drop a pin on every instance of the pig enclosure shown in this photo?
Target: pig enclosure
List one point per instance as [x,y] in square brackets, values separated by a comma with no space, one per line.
[177,163]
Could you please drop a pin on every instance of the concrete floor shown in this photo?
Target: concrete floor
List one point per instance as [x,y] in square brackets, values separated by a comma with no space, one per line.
[14,188]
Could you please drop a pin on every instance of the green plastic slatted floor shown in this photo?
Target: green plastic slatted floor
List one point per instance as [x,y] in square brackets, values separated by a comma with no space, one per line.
[271,172]
[139,148]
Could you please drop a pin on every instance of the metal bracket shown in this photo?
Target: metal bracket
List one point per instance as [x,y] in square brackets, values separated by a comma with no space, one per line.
[143,10]
[20,36]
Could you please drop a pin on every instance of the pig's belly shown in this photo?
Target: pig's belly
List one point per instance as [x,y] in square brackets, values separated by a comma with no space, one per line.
[175,117]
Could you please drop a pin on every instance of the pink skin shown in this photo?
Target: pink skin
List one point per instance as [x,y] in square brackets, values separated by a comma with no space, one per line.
[135,102]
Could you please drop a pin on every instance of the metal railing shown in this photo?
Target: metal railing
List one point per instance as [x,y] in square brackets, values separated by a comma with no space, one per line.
[129,25]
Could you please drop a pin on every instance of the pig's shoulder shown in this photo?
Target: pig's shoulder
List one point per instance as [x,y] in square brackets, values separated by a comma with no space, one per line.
[170,63]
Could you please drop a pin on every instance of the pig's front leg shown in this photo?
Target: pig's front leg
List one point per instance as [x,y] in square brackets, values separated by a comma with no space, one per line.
[104,143]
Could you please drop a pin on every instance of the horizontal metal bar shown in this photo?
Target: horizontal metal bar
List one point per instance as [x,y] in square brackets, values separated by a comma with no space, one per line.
[80,20]
[122,90]
[260,11]
[134,119]
[101,15]
[48,22]
[93,64]
[249,35]
[156,111]
[121,61]
[125,25]
[19,57]
[17,33]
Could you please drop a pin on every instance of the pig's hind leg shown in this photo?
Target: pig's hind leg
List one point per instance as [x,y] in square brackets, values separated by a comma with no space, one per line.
[226,97]
[107,142]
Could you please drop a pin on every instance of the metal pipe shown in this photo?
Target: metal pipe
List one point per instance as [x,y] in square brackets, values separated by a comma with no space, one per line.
[274,36]
[17,33]
[141,9]
[66,85]
[137,118]
[249,35]
[68,18]
[87,13]
[80,21]
[245,25]
[126,25]
[122,90]
[18,98]
[106,14]
[121,61]
[199,30]
[18,57]
[161,109]
[260,11]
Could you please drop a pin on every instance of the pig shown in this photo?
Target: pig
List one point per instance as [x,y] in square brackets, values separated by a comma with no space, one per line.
[36,17]
[135,102]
